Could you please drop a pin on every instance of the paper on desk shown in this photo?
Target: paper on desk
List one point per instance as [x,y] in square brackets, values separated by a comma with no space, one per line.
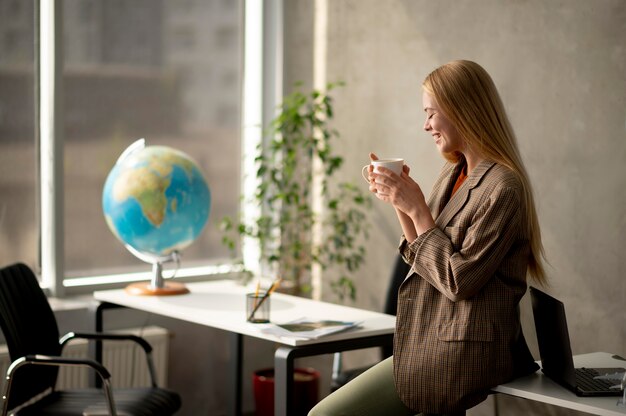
[306,328]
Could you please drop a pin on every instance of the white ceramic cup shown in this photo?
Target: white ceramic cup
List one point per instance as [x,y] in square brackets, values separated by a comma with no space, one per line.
[395,165]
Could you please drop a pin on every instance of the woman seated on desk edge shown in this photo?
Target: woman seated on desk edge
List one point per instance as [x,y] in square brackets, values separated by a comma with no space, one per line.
[470,247]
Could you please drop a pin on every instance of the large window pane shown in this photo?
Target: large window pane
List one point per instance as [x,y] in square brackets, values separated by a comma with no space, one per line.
[166,71]
[19,231]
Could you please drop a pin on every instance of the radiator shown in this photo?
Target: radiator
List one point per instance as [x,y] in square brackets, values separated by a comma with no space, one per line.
[125,360]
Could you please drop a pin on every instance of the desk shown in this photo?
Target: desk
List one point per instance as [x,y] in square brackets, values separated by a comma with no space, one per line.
[221,304]
[540,388]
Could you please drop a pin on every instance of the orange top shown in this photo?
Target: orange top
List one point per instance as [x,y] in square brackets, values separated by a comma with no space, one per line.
[459,181]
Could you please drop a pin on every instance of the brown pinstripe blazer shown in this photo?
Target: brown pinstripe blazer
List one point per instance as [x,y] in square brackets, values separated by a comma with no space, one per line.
[458,329]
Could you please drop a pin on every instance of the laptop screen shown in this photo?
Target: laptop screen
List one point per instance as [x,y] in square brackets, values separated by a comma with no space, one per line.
[553,337]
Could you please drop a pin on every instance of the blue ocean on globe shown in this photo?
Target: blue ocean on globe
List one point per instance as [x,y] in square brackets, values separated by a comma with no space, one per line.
[156,200]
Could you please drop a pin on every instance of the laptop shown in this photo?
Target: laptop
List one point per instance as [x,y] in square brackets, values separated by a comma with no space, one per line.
[556,352]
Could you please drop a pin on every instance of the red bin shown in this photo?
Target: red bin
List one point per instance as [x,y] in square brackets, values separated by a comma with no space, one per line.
[305,391]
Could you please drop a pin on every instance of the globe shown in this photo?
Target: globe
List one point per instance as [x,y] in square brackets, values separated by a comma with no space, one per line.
[155,201]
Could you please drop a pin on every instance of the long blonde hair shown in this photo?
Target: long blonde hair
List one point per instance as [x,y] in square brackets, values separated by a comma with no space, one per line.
[468,97]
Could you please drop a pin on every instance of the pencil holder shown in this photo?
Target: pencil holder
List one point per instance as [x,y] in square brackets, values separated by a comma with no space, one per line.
[258,308]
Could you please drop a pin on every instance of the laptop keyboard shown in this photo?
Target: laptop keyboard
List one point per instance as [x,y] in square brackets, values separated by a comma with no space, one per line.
[585,380]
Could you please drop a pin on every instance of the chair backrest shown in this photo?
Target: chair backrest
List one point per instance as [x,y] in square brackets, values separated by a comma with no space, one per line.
[29,327]
[399,273]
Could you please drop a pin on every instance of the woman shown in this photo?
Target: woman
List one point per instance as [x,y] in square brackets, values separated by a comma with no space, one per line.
[470,248]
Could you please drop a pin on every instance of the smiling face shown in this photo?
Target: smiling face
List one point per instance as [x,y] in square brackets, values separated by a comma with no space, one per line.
[447,137]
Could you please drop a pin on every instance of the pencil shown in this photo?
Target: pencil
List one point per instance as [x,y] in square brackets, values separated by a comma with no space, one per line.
[274,286]
[256,293]
[258,286]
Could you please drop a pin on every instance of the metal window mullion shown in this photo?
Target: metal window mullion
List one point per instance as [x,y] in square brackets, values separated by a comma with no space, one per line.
[51,143]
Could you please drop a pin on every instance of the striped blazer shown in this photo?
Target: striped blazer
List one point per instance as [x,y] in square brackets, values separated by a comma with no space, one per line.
[458,332]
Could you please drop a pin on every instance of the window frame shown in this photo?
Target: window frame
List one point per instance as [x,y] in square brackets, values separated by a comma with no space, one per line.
[261,89]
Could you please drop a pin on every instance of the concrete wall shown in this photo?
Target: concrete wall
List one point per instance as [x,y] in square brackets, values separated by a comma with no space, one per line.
[560,67]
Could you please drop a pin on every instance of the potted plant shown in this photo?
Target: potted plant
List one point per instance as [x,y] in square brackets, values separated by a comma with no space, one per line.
[298,151]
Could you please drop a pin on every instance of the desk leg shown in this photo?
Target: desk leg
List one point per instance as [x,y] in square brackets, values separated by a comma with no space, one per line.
[283,381]
[236,350]
[285,356]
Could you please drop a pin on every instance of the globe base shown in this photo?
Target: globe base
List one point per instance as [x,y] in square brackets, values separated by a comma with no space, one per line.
[147,289]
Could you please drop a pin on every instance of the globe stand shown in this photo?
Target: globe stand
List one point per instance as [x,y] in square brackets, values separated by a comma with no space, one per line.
[157,285]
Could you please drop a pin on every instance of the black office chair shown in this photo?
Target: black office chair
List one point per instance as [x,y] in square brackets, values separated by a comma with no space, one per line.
[32,335]
[341,376]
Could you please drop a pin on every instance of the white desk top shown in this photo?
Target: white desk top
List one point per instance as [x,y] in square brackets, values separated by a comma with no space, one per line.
[221,304]
[540,388]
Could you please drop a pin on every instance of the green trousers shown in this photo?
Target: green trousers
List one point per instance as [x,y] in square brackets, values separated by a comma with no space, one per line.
[372,393]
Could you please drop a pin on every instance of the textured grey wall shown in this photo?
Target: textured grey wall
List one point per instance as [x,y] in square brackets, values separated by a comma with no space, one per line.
[560,67]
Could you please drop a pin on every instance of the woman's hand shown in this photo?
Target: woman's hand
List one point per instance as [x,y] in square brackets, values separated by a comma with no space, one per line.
[370,172]
[403,193]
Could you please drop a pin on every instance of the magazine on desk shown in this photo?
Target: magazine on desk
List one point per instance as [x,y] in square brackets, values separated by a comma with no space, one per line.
[306,328]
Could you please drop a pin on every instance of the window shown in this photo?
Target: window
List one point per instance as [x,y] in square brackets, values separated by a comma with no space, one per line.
[129,72]
[170,72]
[145,69]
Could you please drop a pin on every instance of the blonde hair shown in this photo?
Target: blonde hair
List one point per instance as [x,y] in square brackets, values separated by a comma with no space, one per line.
[468,97]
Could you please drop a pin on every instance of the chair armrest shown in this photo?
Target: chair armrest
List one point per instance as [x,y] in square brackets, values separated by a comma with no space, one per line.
[105,336]
[102,336]
[58,362]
